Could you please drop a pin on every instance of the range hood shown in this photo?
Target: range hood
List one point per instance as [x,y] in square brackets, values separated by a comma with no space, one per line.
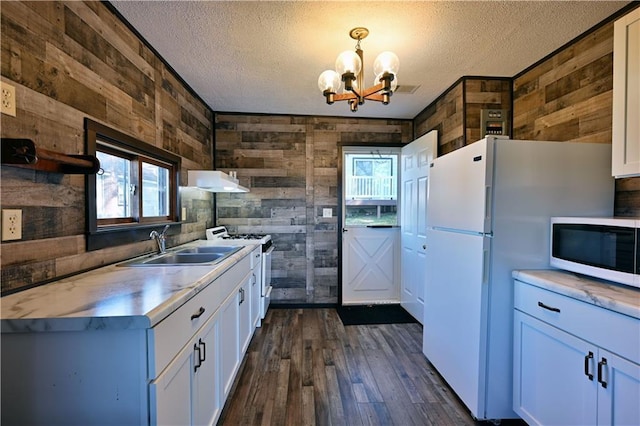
[214,181]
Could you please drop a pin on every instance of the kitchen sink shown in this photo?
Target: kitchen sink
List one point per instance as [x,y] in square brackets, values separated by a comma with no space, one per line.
[187,256]
[214,249]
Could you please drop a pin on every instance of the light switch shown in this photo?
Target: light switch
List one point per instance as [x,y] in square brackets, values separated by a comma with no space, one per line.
[327,213]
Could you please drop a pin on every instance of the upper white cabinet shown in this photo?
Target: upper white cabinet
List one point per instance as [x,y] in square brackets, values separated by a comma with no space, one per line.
[626,96]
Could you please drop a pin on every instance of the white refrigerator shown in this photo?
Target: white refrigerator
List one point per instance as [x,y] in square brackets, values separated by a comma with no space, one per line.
[488,213]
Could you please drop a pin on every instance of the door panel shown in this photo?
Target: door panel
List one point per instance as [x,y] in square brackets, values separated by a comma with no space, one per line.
[416,161]
[371,236]
[370,268]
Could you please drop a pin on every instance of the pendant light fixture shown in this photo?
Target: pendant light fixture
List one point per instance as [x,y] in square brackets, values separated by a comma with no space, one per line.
[349,70]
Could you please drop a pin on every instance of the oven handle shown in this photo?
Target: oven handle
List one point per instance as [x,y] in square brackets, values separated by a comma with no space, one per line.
[269,250]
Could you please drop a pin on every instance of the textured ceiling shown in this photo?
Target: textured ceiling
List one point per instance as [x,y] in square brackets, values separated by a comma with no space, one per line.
[265,57]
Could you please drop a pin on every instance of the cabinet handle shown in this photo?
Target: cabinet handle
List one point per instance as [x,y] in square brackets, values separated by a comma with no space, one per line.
[547,307]
[199,361]
[204,351]
[587,364]
[255,279]
[241,291]
[198,314]
[602,363]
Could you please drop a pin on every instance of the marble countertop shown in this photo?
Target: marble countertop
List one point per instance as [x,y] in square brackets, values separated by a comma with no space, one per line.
[112,297]
[615,297]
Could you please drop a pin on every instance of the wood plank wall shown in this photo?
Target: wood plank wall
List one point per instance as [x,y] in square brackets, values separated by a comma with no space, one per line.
[456,113]
[290,164]
[568,97]
[68,61]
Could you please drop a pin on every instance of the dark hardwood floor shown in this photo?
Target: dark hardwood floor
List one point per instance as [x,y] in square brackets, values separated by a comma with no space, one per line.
[303,367]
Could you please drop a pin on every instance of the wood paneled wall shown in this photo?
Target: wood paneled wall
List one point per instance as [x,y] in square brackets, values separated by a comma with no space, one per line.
[456,113]
[68,61]
[568,97]
[290,164]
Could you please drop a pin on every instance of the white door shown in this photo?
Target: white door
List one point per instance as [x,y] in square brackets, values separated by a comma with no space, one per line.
[415,161]
[371,236]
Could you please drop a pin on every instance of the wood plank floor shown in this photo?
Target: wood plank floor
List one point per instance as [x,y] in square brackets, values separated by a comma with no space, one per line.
[303,367]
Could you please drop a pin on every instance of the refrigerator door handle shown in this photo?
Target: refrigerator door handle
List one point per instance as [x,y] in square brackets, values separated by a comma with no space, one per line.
[485,266]
[487,202]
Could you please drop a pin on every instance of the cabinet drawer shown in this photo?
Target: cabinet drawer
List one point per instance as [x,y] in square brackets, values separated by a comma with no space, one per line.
[167,338]
[256,256]
[610,330]
[233,277]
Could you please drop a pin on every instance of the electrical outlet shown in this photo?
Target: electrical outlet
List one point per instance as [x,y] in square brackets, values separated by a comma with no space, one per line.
[11,224]
[327,212]
[8,99]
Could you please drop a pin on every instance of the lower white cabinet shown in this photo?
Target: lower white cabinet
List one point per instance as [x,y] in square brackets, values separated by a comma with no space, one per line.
[256,286]
[230,335]
[178,372]
[187,391]
[564,373]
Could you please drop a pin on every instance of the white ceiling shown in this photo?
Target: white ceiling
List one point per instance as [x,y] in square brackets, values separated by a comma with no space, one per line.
[265,57]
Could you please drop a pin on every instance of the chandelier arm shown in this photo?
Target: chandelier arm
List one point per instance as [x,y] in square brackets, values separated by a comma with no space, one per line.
[375,97]
[373,89]
[344,96]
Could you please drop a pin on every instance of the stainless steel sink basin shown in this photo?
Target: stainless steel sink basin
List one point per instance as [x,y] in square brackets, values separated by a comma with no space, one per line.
[187,256]
[211,249]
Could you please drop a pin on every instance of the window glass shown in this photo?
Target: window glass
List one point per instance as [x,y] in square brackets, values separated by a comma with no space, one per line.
[113,187]
[371,189]
[155,190]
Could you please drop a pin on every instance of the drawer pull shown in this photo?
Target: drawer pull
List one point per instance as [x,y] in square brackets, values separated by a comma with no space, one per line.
[602,363]
[198,359]
[547,307]
[204,351]
[197,314]
[587,363]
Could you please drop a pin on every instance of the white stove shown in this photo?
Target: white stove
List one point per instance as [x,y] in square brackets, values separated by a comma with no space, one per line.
[220,235]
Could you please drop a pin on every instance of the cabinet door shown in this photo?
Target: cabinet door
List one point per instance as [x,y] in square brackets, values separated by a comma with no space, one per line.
[170,392]
[626,96]
[229,341]
[206,400]
[246,323]
[256,294]
[551,382]
[618,390]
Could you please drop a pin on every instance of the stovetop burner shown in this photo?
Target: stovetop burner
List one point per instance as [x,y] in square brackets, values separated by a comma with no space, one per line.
[244,237]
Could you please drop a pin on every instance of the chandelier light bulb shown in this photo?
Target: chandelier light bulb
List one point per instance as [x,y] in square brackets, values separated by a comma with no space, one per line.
[394,82]
[329,80]
[386,62]
[348,62]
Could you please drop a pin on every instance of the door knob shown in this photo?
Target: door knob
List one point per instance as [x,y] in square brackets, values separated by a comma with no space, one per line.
[424,247]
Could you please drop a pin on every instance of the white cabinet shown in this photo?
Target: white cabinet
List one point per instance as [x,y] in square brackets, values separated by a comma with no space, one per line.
[626,96]
[256,286]
[574,363]
[178,372]
[244,313]
[187,391]
[230,339]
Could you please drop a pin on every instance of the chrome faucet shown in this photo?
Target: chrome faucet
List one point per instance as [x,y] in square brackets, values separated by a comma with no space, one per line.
[160,239]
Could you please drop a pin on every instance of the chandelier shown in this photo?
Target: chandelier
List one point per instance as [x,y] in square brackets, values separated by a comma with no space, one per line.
[349,70]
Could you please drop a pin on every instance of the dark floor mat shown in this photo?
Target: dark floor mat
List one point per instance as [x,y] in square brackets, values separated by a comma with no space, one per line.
[374,314]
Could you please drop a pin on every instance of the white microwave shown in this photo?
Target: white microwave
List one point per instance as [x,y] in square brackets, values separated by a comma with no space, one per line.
[606,248]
